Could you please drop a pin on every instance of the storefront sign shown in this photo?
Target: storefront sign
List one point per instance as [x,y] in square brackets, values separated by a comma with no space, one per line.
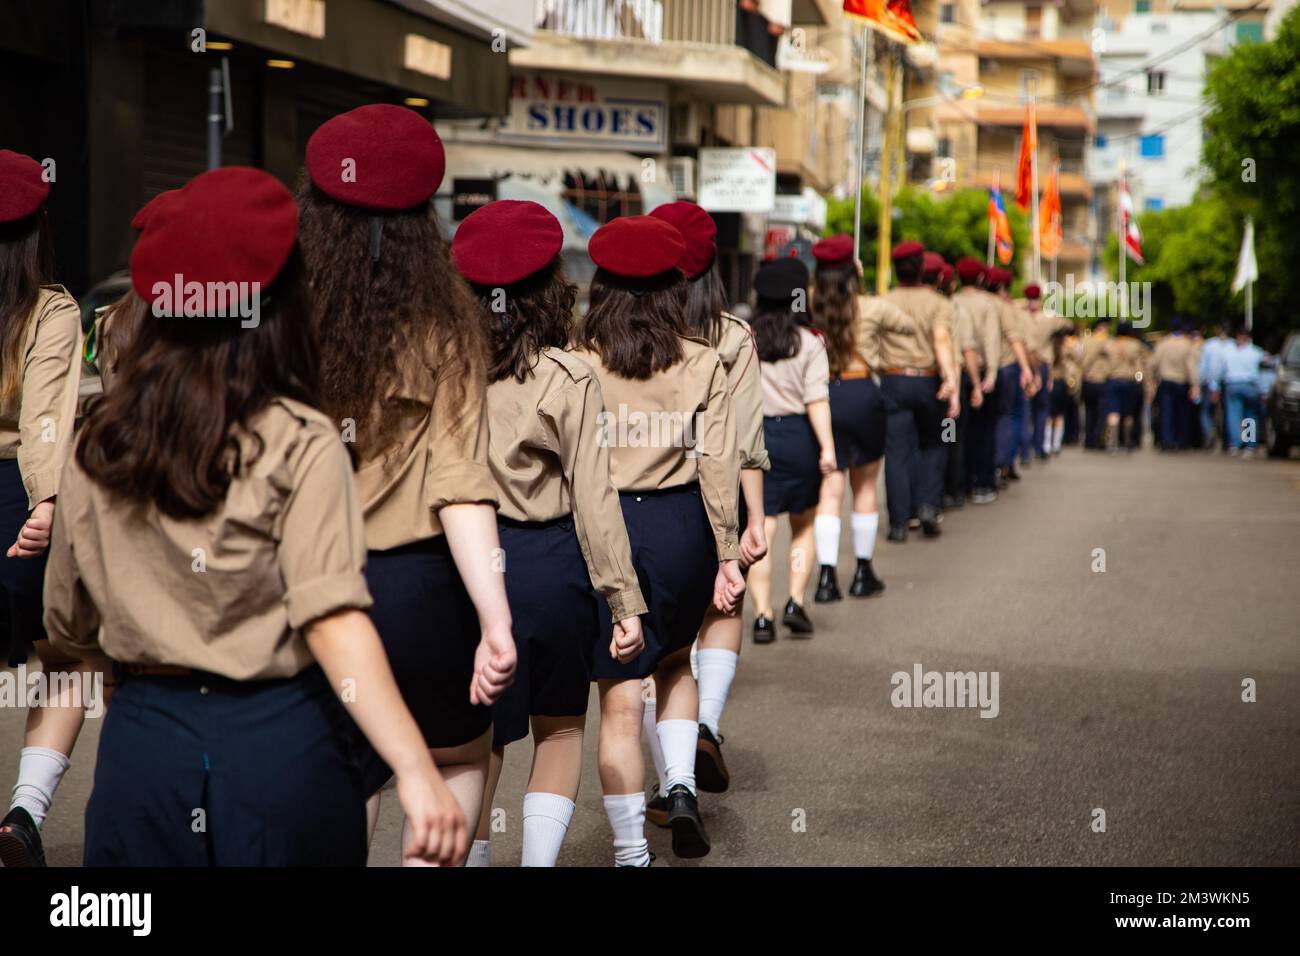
[557,111]
[426,56]
[737,180]
[468,195]
[299,16]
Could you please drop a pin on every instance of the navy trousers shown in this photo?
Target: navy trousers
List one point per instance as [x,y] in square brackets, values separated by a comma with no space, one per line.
[1175,415]
[981,441]
[1010,414]
[207,771]
[1093,393]
[913,426]
[22,579]
[1039,407]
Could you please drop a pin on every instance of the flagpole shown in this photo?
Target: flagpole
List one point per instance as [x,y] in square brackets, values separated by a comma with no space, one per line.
[886,196]
[1123,240]
[992,229]
[1038,269]
[862,136]
[1250,312]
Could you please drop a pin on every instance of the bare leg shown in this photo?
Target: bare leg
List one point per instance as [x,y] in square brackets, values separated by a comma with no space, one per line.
[760,574]
[832,495]
[622,768]
[801,552]
[495,762]
[465,770]
[863,480]
[675,690]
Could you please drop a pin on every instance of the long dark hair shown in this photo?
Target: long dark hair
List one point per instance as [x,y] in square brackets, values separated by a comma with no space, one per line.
[173,428]
[369,314]
[524,318]
[26,264]
[706,300]
[635,326]
[776,330]
[835,312]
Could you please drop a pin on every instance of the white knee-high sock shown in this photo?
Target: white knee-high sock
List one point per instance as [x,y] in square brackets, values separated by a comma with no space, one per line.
[39,771]
[864,533]
[480,853]
[1058,433]
[626,814]
[648,720]
[546,821]
[826,534]
[679,739]
[717,670]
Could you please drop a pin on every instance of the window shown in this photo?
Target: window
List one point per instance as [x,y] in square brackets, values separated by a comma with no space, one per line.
[945,147]
[1250,32]
[1028,84]
[602,196]
[948,13]
[1100,141]
[1142,6]
[1033,21]
[1155,82]
[1152,147]
[1154,203]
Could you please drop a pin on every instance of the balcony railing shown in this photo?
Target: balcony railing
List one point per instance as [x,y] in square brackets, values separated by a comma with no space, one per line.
[652,21]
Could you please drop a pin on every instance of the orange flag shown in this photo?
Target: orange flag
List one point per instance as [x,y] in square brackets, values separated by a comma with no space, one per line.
[1049,215]
[891,17]
[1025,164]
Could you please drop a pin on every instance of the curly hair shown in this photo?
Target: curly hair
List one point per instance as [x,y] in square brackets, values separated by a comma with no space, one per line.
[370,314]
[635,326]
[171,430]
[835,312]
[522,319]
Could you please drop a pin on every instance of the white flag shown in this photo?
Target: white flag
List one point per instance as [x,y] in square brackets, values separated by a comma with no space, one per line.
[1247,268]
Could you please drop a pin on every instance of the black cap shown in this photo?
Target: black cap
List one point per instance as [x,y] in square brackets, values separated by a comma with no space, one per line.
[779,278]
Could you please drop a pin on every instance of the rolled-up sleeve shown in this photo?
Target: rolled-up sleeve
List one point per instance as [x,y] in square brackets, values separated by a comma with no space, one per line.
[715,450]
[71,618]
[598,518]
[322,550]
[816,373]
[457,470]
[50,383]
[747,402]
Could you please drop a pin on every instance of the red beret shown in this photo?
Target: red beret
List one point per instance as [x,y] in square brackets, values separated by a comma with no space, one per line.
[933,262]
[150,207]
[506,241]
[969,268]
[698,230]
[1032,291]
[22,186]
[833,250]
[637,247]
[233,224]
[946,272]
[905,250]
[380,157]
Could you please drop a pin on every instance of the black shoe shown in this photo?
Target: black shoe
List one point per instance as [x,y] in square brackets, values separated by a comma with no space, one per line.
[20,840]
[796,618]
[930,521]
[656,808]
[897,534]
[865,583]
[690,842]
[1002,480]
[828,589]
[764,630]
[711,774]
[1013,474]
[951,503]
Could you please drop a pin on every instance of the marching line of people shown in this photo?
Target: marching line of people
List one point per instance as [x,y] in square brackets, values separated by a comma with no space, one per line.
[359,508]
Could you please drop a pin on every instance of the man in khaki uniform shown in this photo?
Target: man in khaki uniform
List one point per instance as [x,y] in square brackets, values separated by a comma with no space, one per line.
[1039,326]
[1174,370]
[1095,369]
[919,384]
[981,336]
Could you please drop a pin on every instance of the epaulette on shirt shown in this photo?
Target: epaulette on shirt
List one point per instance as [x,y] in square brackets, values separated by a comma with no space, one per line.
[574,367]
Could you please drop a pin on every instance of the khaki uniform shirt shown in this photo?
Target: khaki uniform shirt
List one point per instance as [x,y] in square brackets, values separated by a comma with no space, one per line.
[675,428]
[1124,357]
[1094,362]
[739,357]
[1039,327]
[440,458]
[1011,329]
[36,427]
[986,324]
[792,384]
[547,460]
[914,348]
[228,593]
[1175,359]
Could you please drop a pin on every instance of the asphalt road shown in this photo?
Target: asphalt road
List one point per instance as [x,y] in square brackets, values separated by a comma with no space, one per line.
[1119,691]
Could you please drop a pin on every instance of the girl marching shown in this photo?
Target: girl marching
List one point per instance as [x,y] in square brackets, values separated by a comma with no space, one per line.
[560,523]
[40,365]
[209,540]
[669,424]
[796,430]
[404,375]
[857,421]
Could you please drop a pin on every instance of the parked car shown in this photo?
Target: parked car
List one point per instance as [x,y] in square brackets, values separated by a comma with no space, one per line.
[1282,423]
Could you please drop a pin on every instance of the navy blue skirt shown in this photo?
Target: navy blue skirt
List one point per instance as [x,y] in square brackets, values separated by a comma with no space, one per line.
[676,561]
[430,632]
[857,422]
[556,617]
[1122,397]
[23,579]
[794,482]
[208,771]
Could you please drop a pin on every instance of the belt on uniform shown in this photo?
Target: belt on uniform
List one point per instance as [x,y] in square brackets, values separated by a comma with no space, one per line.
[853,374]
[156,670]
[912,372]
